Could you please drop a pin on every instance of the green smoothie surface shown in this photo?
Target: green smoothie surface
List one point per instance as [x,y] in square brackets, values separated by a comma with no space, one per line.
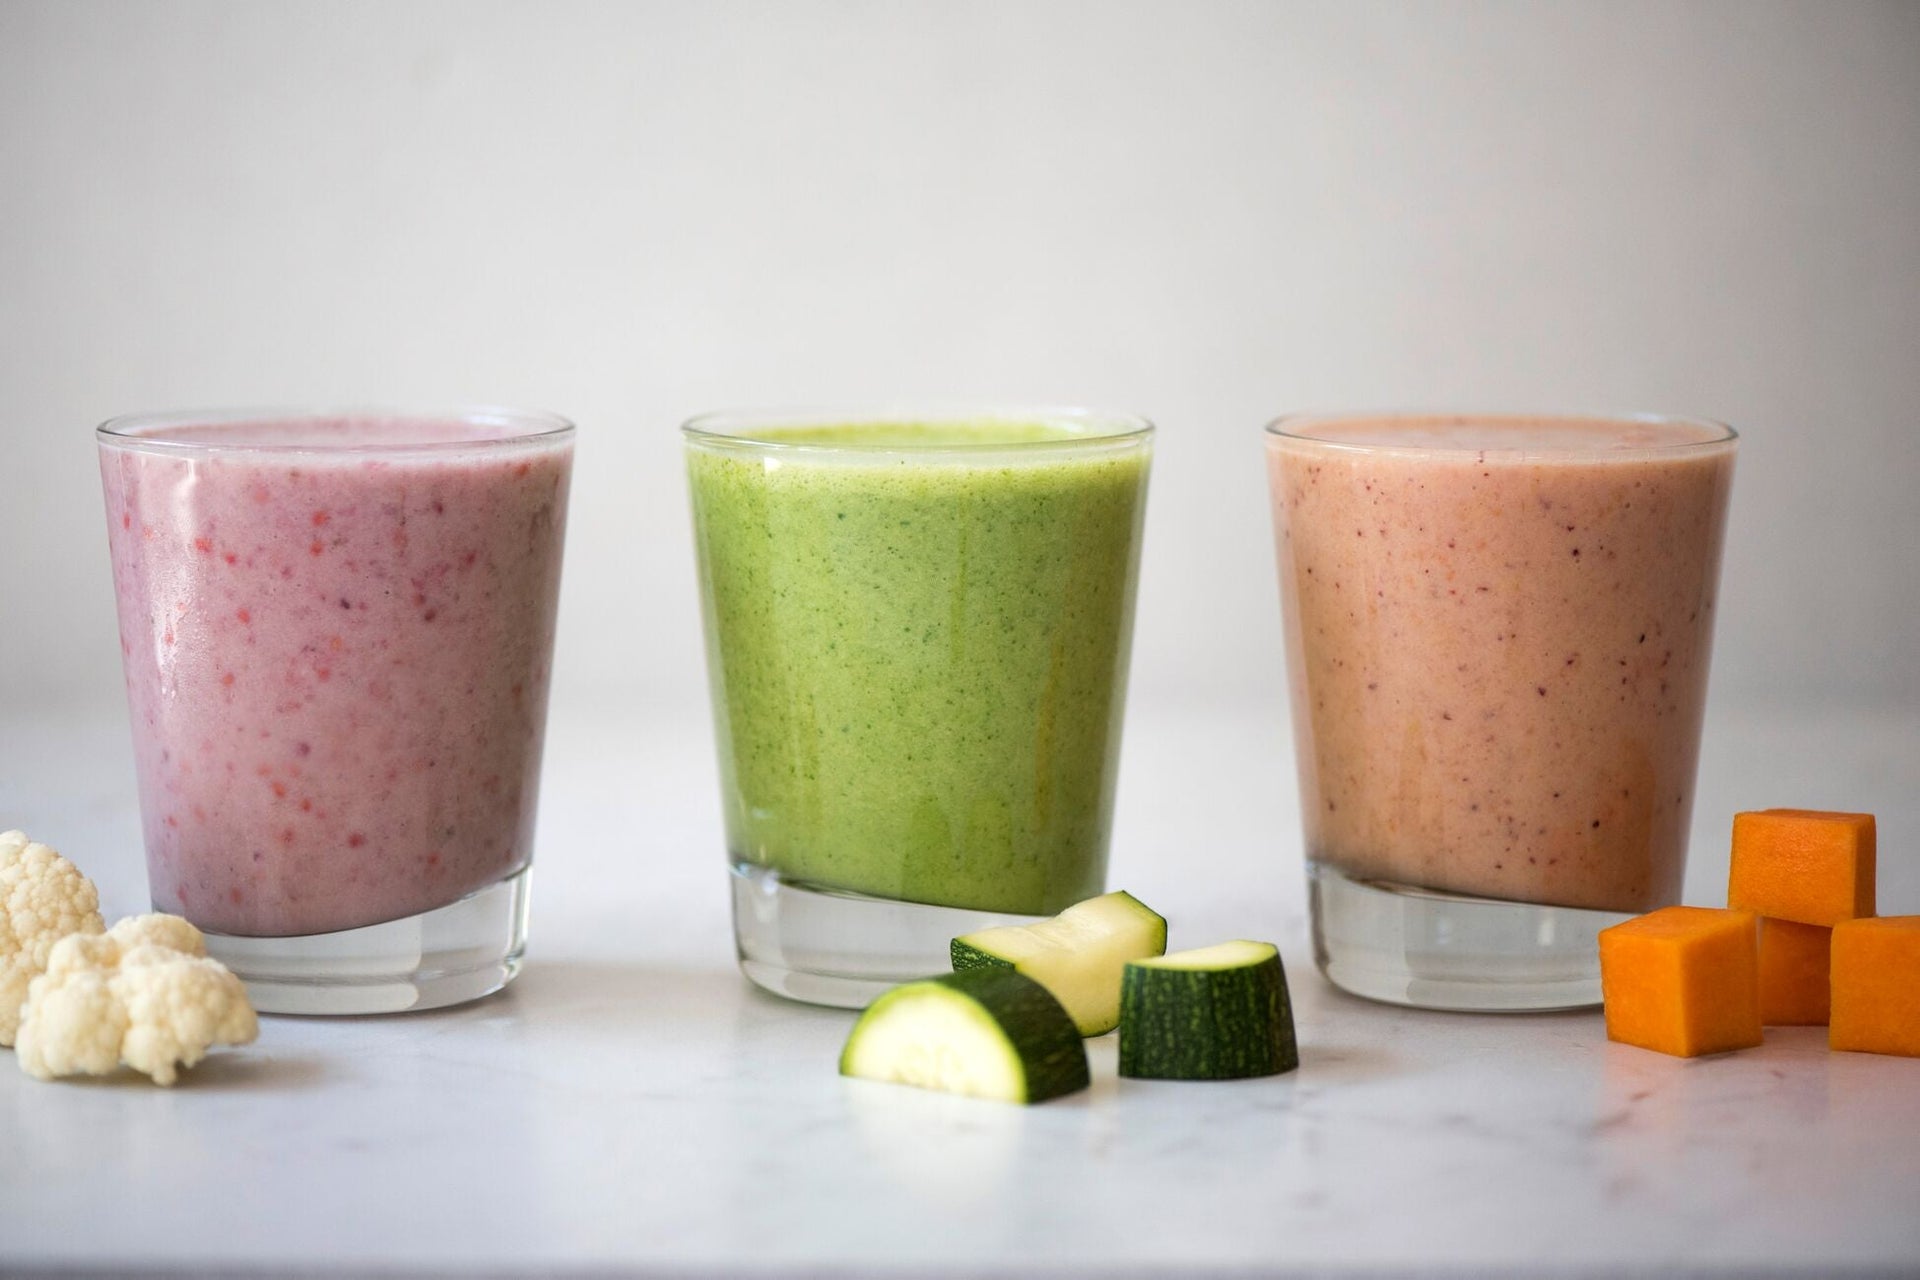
[962,433]
[918,662]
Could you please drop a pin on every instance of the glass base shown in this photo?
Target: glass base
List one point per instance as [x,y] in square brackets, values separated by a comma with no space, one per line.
[826,946]
[1432,950]
[449,955]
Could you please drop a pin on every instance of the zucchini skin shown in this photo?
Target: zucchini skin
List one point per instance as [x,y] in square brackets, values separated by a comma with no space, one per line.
[1039,1026]
[966,956]
[1051,1052]
[1192,1024]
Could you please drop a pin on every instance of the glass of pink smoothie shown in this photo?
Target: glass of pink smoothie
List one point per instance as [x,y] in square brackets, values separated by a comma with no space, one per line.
[337,633]
[1497,636]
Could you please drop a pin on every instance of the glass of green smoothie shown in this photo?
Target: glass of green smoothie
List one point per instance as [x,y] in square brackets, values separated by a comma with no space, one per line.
[917,632]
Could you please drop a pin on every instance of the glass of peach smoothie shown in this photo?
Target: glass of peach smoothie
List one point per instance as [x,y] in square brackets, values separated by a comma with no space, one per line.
[337,633]
[1497,632]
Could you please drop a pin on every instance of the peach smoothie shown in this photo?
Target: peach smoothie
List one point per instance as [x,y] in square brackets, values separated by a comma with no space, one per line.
[1498,634]
[337,636]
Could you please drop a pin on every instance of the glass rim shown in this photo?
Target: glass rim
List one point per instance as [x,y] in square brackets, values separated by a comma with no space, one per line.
[747,429]
[1299,427]
[148,431]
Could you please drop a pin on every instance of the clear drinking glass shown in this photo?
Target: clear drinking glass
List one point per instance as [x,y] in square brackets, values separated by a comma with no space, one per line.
[917,629]
[1497,630]
[337,633]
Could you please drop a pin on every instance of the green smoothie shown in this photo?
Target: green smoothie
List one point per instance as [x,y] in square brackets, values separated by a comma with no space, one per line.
[917,636]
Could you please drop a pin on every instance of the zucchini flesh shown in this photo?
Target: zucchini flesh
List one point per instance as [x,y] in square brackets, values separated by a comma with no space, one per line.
[1214,1013]
[1077,955]
[987,1033]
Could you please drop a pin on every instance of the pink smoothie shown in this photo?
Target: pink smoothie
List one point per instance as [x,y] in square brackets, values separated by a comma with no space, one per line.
[1498,637]
[337,638]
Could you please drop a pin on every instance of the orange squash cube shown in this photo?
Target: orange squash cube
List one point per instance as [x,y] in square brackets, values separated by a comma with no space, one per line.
[1795,986]
[1802,865]
[1876,986]
[1682,980]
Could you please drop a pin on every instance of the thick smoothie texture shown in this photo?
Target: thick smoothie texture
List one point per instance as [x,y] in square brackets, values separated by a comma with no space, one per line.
[1498,638]
[337,639]
[918,654]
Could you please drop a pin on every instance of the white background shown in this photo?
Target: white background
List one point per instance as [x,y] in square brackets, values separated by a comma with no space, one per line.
[1207,213]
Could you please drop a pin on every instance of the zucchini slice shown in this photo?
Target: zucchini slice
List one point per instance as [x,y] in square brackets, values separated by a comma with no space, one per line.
[1077,955]
[985,1033]
[1215,1013]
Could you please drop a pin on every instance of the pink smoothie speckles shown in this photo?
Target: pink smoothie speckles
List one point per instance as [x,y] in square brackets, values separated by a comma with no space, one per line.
[337,649]
[1499,639]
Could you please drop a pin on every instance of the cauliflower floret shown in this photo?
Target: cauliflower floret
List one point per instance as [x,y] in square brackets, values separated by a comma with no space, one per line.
[77,1024]
[43,898]
[159,930]
[144,994]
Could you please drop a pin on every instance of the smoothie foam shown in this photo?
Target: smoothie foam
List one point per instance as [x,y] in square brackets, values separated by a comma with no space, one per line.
[918,639]
[1498,642]
[337,639]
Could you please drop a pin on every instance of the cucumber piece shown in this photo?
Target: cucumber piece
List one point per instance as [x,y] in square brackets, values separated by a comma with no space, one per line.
[985,1033]
[1214,1013]
[1077,955]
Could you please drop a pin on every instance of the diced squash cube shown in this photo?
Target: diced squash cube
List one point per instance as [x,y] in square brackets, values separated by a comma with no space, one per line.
[1794,982]
[1876,986]
[1682,980]
[1802,865]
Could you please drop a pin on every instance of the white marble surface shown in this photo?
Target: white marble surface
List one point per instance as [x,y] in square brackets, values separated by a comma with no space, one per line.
[631,1105]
